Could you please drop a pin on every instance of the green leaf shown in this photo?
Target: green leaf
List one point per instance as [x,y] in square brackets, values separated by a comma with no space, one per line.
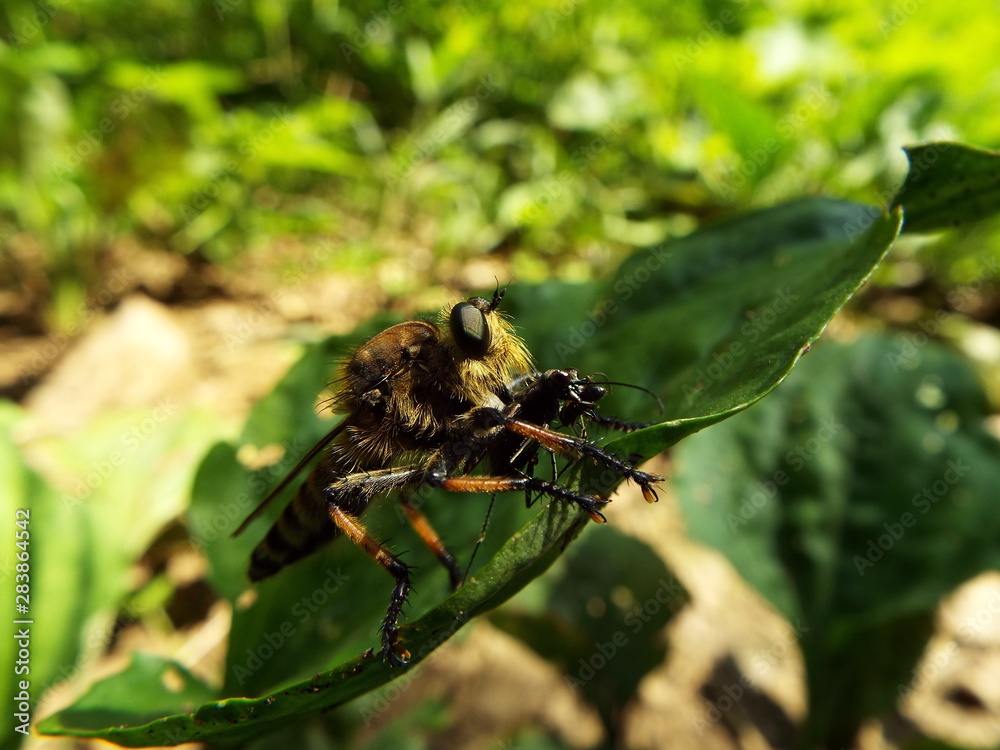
[147,689]
[720,317]
[853,498]
[583,102]
[420,61]
[53,638]
[189,84]
[949,184]
[100,714]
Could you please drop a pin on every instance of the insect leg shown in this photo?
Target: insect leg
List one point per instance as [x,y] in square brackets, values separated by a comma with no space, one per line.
[618,424]
[356,532]
[590,503]
[430,537]
[344,493]
[568,445]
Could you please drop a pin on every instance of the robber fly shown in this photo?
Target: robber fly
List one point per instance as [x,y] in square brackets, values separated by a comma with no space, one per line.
[452,395]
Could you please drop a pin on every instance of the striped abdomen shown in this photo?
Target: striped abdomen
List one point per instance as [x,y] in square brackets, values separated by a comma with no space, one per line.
[303,526]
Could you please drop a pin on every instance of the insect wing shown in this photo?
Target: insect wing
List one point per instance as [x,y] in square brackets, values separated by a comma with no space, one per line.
[324,441]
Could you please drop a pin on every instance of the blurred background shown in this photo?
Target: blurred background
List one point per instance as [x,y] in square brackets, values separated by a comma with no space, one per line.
[191,193]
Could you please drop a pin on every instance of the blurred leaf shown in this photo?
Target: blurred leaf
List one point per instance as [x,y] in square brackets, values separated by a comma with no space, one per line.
[131,475]
[193,85]
[751,127]
[423,77]
[51,57]
[289,411]
[545,202]
[54,635]
[147,689]
[582,103]
[127,476]
[949,184]
[429,139]
[132,472]
[853,498]
[312,154]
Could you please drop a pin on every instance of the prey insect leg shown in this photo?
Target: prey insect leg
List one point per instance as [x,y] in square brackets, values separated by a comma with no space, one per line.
[618,424]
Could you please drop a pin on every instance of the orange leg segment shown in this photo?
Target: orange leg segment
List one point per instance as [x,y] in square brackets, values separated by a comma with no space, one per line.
[430,537]
[574,447]
[590,503]
[356,532]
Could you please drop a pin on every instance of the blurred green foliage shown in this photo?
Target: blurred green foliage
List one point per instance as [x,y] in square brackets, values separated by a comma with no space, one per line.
[400,141]
[855,498]
[558,134]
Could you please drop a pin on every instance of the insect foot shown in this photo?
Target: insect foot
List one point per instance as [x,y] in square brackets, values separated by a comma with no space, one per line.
[647,484]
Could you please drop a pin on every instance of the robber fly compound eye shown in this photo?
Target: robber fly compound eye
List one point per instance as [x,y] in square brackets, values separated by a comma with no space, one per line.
[470,329]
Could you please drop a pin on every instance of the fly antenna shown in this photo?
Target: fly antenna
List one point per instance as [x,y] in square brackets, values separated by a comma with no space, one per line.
[498,294]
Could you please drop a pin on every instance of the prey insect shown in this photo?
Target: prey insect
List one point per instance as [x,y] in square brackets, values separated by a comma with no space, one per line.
[426,405]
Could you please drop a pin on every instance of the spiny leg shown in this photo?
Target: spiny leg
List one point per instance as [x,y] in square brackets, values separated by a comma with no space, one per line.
[433,541]
[614,423]
[590,503]
[348,492]
[569,445]
[355,531]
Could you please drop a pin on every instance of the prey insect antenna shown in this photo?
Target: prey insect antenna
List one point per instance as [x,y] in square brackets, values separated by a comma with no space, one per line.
[659,401]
